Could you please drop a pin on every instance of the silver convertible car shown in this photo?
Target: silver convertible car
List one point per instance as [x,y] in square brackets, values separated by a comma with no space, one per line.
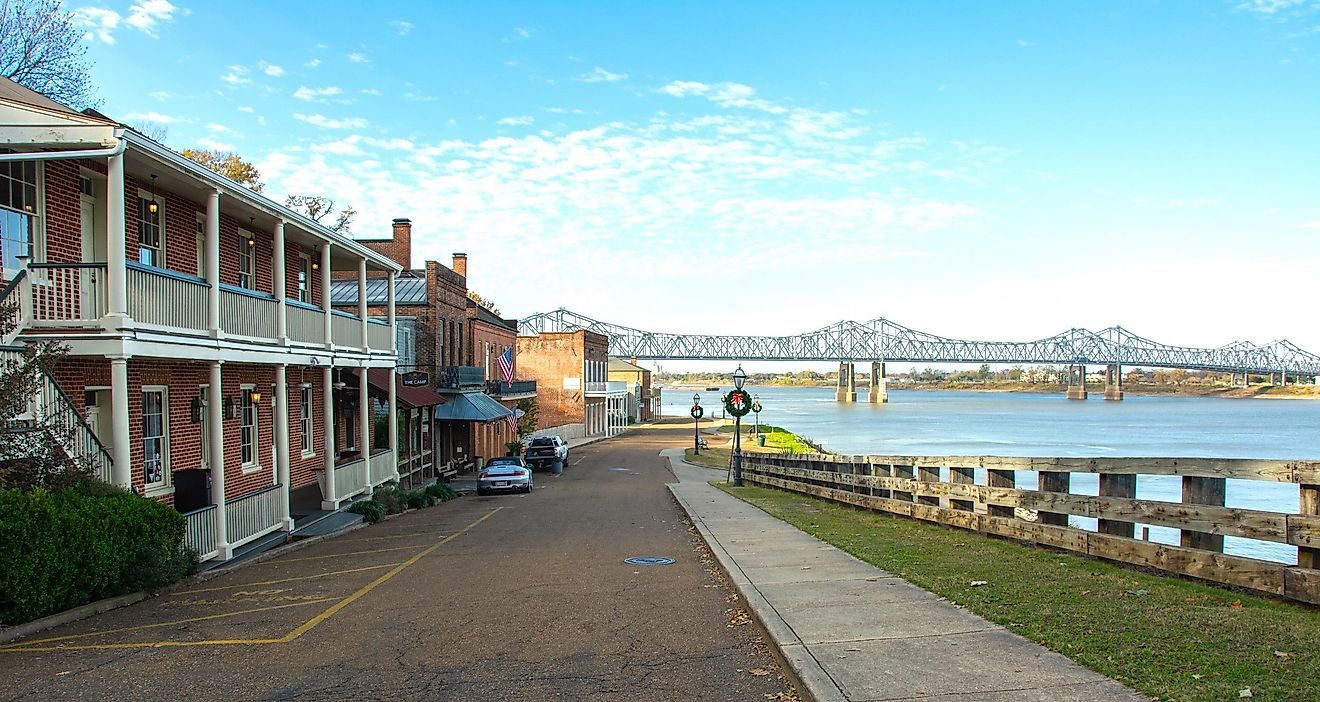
[505,474]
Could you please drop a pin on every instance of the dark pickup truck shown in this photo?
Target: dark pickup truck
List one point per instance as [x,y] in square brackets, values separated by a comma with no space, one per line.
[547,452]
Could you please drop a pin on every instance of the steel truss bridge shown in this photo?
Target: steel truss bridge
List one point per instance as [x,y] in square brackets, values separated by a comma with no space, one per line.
[883,340]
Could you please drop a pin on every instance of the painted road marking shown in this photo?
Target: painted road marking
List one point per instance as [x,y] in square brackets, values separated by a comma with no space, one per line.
[183,593]
[291,636]
[338,555]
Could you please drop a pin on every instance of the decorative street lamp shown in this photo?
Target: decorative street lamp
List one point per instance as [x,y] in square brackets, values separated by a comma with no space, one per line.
[756,410]
[738,403]
[697,411]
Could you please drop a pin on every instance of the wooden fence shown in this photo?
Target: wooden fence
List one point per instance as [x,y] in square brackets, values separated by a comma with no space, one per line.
[914,486]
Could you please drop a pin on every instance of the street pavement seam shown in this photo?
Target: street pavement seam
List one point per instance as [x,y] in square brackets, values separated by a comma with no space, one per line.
[845,638]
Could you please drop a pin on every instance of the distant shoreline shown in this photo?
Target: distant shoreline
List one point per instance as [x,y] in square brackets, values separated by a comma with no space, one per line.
[1263,392]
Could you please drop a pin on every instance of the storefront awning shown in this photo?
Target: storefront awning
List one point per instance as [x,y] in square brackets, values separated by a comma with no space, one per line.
[471,407]
[379,381]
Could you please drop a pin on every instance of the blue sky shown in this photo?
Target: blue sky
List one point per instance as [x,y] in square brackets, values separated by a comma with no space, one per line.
[976,170]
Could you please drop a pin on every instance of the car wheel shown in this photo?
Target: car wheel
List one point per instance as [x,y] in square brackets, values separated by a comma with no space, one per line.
[481,493]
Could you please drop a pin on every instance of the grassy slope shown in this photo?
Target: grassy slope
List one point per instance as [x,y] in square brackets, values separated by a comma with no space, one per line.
[1170,638]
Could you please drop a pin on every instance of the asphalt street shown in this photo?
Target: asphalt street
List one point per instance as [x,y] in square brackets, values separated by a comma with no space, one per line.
[484,598]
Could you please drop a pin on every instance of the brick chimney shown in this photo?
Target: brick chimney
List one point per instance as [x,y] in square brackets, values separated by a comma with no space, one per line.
[401,251]
[460,264]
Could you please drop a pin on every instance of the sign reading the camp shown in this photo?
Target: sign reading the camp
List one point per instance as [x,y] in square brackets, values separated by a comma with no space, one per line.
[415,379]
[738,403]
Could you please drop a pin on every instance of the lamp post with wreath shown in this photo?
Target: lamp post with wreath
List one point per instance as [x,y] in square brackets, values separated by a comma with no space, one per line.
[756,410]
[738,403]
[697,411]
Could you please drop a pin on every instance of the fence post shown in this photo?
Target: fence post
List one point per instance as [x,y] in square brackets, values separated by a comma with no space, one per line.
[1202,491]
[1052,481]
[1308,557]
[962,476]
[1115,485]
[903,473]
[996,478]
[928,474]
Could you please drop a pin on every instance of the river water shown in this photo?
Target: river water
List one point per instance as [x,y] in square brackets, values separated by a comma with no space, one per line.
[926,423]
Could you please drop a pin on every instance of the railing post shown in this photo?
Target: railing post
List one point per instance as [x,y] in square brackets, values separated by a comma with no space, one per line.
[902,473]
[1202,491]
[25,301]
[280,286]
[962,476]
[1054,481]
[1116,485]
[927,474]
[1308,557]
[115,269]
[215,402]
[329,498]
[996,478]
[282,443]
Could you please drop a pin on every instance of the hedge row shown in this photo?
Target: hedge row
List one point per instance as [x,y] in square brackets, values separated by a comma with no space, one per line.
[64,548]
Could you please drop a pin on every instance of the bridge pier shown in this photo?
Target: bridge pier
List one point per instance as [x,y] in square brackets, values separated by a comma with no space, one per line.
[1114,381]
[847,388]
[1076,382]
[877,392]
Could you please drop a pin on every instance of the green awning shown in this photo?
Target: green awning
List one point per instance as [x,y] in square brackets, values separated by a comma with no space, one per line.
[471,407]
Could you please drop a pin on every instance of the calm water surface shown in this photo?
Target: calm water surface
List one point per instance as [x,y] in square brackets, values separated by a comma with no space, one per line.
[1022,424]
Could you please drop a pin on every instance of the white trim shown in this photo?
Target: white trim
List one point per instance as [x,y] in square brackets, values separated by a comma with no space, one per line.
[309,432]
[166,486]
[304,258]
[254,465]
[247,249]
[158,260]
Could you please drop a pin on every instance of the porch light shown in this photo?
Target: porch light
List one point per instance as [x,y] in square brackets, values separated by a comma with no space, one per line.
[252,227]
[256,397]
[739,377]
[152,206]
[316,263]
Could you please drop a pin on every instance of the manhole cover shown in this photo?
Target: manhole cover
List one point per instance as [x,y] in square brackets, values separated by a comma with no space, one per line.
[648,560]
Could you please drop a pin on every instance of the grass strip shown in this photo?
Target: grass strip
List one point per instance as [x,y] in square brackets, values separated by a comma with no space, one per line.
[1170,638]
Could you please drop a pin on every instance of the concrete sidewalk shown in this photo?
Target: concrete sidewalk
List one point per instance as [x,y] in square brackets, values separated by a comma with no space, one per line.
[851,631]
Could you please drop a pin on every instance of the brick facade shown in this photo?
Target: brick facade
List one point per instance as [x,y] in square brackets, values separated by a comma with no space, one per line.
[556,361]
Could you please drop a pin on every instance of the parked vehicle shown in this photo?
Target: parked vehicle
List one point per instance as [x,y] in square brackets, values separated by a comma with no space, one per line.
[548,452]
[505,474]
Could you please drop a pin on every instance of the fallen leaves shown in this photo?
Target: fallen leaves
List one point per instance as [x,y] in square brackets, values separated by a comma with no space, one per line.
[758,672]
[739,617]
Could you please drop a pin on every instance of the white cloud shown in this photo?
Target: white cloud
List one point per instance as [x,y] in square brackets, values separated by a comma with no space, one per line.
[402,27]
[246,108]
[683,88]
[236,76]
[99,23]
[159,95]
[146,14]
[600,75]
[316,94]
[150,117]
[215,145]
[1270,8]
[369,91]
[313,63]
[356,57]
[328,123]
[271,69]
[217,127]
[513,121]
[348,146]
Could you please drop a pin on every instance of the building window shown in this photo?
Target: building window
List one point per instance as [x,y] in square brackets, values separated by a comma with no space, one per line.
[247,261]
[18,210]
[201,245]
[304,278]
[151,230]
[405,331]
[155,442]
[305,420]
[248,428]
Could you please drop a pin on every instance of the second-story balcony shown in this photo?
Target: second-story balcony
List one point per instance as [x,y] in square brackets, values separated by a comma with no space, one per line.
[461,378]
[74,296]
[516,389]
[606,388]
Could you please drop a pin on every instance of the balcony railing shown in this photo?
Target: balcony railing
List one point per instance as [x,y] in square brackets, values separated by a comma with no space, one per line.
[461,377]
[252,516]
[611,387]
[517,387]
[199,534]
[75,295]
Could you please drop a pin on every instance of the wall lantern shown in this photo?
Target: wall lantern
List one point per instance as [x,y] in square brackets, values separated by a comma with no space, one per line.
[195,410]
[153,207]
[256,397]
[231,408]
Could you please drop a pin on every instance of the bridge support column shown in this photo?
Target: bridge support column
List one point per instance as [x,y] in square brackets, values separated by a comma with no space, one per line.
[876,393]
[847,388]
[1076,382]
[1114,381]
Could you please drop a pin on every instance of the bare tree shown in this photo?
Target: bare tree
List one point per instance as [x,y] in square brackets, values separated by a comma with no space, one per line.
[40,48]
[154,131]
[318,207]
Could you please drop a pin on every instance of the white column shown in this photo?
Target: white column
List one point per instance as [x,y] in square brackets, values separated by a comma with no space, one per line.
[393,418]
[329,500]
[282,442]
[394,336]
[115,273]
[215,395]
[325,293]
[213,262]
[121,472]
[362,302]
[282,312]
[364,422]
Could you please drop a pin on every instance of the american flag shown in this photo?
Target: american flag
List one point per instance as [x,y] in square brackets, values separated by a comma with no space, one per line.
[513,425]
[506,365]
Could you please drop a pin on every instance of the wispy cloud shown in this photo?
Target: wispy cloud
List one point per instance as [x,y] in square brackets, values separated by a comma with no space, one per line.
[328,123]
[519,34]
[99,23]
[215,145]
[271,69]
[236,76]
[159,95]
[144,16]
[519,120]
[401,27]
[313,63]
[152,116]
[217,127]
[369,91]
[246,108]
[600,75]
[356,57]
[1270,8]
[316,94]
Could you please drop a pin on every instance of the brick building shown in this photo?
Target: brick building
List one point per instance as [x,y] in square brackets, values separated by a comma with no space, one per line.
[642,401]
[206,367]
[573,391]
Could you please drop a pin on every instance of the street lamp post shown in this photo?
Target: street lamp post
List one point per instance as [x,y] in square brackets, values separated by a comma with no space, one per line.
[696,424]
[756,411]
[738,404]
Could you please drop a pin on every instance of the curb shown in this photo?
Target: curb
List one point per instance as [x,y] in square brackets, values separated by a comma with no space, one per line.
[806,672]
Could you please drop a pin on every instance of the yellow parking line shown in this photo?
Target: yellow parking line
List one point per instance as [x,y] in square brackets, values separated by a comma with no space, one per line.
[337,555]
[182,593]
[395,536]
[27,645]
[334,609]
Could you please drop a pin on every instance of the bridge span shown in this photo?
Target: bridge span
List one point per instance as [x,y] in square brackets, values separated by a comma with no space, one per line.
[881,340]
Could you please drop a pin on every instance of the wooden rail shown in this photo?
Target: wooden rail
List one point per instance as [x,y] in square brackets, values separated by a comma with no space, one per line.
[912,486]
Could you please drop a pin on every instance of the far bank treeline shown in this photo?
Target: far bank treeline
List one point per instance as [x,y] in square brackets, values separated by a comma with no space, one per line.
[1015,378]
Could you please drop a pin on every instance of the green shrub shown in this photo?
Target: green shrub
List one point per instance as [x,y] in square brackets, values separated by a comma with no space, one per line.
[372,511]
[441,492]
[418,499]
[390,497]
[64,548]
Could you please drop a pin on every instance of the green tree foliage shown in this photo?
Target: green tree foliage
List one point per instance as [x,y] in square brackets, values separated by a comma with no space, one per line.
[229,165]
[41,49]
[531,415]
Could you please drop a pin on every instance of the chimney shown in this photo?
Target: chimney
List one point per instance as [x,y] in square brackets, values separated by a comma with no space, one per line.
[460,264]
[401,251]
